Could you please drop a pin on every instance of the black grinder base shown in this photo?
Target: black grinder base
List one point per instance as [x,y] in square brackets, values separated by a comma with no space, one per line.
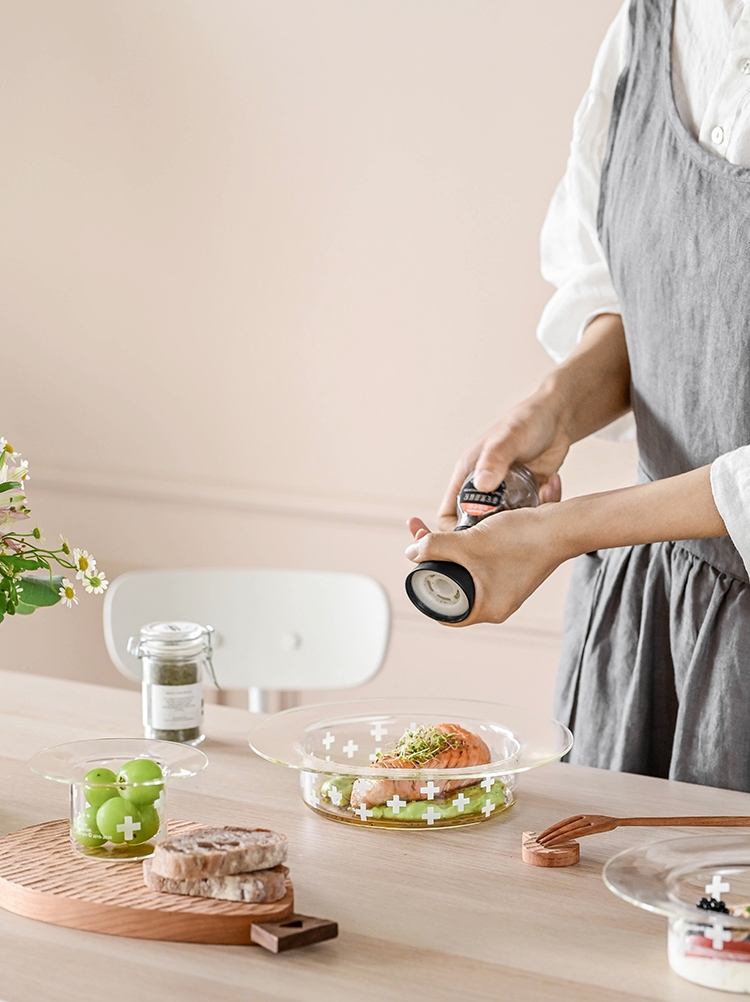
[441,590]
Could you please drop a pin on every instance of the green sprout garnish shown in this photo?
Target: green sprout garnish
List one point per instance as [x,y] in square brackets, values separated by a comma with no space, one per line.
[421,745]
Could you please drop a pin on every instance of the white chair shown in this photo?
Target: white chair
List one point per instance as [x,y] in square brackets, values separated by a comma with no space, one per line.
[274,630]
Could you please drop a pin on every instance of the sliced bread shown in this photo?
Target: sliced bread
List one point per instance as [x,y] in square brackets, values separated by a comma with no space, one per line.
[258,887]
[216,852]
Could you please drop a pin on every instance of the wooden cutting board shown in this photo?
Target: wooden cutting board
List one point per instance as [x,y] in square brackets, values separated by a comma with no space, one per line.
[42,877]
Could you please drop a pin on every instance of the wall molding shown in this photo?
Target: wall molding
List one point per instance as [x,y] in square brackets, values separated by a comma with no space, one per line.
[547,636]
[231,496]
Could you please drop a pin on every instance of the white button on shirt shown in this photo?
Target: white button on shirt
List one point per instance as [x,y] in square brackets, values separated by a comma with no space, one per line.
[711,42]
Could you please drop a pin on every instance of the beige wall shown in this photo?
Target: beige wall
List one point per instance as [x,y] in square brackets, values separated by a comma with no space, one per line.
[266,268]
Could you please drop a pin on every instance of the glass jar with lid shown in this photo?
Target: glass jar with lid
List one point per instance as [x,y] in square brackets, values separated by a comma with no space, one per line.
[173,656]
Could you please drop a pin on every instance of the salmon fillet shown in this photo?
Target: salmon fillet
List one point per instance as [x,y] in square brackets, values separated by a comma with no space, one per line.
[464,749]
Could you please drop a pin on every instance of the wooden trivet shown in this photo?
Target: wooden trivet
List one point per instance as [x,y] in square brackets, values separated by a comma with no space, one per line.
[559,855]
[42,877]
[295,931]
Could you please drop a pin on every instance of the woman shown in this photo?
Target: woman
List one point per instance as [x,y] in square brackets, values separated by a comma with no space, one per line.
[648,235]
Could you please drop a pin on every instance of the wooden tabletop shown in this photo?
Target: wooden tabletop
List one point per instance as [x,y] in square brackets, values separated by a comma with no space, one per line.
[423,915]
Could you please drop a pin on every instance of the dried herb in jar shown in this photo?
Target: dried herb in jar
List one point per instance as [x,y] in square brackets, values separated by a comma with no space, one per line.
[173,656]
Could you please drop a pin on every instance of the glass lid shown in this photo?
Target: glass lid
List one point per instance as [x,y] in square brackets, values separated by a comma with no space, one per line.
[351,737]
[69,763]
[672,876]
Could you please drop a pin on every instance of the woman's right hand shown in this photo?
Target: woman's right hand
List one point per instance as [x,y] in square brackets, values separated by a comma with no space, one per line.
[586,392]
[532,433]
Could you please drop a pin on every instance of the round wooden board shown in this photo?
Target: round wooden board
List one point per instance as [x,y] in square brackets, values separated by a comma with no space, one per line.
[42,877]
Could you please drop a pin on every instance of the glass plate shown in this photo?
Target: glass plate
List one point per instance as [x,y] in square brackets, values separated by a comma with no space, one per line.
[670,877]
[70,762]
[334,746]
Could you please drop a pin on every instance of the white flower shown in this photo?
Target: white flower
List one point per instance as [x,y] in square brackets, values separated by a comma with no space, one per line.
[9,515]
[95,584]
[67,593]
[18,471]
[85,564]
[5,446]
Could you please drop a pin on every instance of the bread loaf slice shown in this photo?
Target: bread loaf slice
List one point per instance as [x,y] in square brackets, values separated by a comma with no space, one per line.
[217,852]
[258,887]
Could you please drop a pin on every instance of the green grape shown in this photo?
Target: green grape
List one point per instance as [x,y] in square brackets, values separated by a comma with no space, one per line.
[140,770]
[149,823]
[96,795]
[85,829]
[113,815]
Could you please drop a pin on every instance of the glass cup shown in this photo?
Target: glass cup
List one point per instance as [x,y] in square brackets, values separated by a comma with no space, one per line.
[118,791]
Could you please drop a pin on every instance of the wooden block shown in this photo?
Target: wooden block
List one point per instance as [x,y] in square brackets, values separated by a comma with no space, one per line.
[297,930]
[557,855]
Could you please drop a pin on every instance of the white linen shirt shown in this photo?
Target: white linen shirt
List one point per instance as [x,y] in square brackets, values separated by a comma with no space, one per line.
[711,84]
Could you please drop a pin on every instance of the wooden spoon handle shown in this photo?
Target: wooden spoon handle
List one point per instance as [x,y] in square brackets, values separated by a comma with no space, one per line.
[731,821]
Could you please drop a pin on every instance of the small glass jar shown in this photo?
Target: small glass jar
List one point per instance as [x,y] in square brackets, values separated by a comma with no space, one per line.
[173,656]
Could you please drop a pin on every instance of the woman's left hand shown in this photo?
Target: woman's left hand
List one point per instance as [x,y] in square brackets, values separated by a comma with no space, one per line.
[508,555]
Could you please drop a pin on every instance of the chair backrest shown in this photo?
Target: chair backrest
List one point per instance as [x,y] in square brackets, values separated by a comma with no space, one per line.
[274,630]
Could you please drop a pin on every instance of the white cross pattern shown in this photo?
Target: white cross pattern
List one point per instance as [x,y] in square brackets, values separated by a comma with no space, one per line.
[487,783]
[335,795]
[378,731]
[488,808]
[159,802]
[431,815]
[129,827]
[314,799]
[350,748]
[364,814]
[719,936]
[430,790]
[461,801]
[716,887]
[328,740]
[396,803]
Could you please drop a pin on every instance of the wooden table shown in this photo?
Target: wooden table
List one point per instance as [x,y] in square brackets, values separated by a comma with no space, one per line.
[441,915]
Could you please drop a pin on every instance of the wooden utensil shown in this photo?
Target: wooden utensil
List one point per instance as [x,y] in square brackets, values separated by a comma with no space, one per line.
[593,824]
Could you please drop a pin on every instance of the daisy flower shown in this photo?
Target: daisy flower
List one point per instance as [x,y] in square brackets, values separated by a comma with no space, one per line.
[95,584]
[65,545]
[68,593]
[85,564]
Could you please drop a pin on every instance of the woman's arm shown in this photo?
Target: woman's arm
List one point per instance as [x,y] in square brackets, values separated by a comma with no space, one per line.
[510,554]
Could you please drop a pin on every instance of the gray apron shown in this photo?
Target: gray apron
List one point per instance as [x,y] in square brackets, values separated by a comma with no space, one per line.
[655,672]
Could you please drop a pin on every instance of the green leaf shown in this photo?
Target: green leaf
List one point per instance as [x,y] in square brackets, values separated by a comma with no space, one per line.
[38,592]
[20,563]
[10,485]
[25,610]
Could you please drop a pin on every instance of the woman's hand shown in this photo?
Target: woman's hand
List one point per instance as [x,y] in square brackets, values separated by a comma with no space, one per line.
[533,433]
[508,555]
[590,389]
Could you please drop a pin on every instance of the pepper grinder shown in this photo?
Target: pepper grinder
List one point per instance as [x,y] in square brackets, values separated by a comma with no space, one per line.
[444,590]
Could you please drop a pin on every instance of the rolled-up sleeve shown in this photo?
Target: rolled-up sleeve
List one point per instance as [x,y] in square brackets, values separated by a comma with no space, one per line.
[730,483]
[572,258]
